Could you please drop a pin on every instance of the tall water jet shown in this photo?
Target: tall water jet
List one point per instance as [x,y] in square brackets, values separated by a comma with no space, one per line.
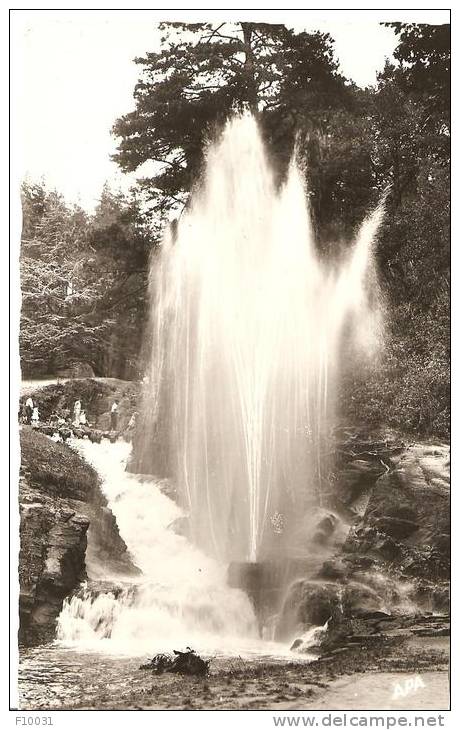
[247,324]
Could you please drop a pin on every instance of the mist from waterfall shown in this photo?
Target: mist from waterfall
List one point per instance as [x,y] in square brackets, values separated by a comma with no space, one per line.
[247,324]
[180,597]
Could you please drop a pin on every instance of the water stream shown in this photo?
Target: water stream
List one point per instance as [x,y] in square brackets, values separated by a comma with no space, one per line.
[182,597]
[247,321]
[246,326]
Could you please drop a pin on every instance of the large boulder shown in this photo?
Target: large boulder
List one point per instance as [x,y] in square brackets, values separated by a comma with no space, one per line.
[356,477]
[308,603]
[360,459]
[312,603]
[181,526]
[359,600]
[407,519]
[51,564]
[324,528]
[411,502]
[320,532]
[76,370]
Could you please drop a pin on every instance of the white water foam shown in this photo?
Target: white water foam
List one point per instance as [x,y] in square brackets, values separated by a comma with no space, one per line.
[182,598]
[247,324]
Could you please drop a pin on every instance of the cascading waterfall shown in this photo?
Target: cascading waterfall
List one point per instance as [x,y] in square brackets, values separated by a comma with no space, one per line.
[182,596]
[247,322]
[246,330]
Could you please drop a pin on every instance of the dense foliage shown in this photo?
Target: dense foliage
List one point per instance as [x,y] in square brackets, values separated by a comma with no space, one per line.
[83,281]
[409,386]
[356,144]
[204,73]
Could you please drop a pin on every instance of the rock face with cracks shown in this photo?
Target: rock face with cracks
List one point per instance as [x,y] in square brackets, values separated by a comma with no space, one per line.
[66,532]
[395,558]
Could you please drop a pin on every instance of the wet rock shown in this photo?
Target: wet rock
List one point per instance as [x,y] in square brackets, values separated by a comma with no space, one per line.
[64,526]
[308,603]
[396,527]
[357,477]
[359,600]
[377,615]
[296,644]
[396,554]
[370,541]
[339,650]
[411,503]
[324,529]
[51,564]
[181,526]
[320,528]
[360,563]
[440,597]
[431,631]
[334,569]
[442,543]
[313,603]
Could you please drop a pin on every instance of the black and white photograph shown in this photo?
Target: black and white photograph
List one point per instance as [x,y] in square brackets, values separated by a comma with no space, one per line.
[230,301]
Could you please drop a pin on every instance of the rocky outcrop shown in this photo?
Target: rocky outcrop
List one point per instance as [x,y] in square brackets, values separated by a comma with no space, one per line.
[77,369]
[66,532]
[406,522]
[51,562]
[395,498]
[312,603]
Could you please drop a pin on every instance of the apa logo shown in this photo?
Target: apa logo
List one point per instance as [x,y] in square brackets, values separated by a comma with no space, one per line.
[409,686]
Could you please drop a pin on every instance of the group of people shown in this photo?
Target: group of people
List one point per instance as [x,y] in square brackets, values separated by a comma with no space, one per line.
[31,416]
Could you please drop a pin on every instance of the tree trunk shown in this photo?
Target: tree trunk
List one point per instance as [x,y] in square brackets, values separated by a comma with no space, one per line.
[249,68]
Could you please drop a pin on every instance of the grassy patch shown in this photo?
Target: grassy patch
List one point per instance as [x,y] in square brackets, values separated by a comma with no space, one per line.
[54,468]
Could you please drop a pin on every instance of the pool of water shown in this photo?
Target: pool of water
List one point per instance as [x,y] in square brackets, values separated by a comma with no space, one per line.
[54,677]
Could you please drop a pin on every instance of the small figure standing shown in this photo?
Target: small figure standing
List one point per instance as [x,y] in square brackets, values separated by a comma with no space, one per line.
[132,422]
[23,413]
[76,412]
[114,416]
[29,409]
[83,420]
[129,431]
[35,416]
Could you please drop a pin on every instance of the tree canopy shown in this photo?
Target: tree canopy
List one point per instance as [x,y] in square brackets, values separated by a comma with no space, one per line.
[205,72]
[83,281]
[355,143]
